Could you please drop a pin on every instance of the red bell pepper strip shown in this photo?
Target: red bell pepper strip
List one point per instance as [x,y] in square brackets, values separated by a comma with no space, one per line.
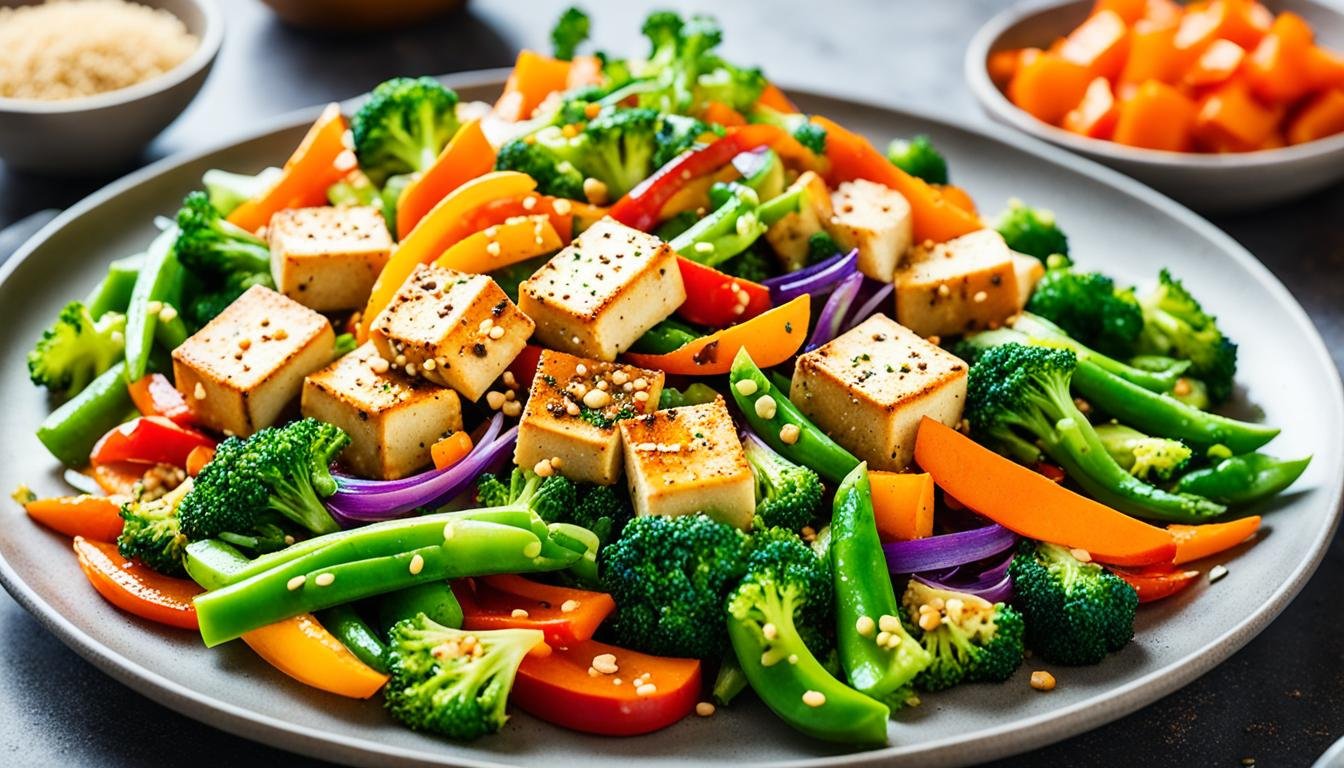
[1158,582]
[718,300]
[148,440]
[559,689]
[155,395]
[93,517]
[567,616]
[640,206]
[136,589]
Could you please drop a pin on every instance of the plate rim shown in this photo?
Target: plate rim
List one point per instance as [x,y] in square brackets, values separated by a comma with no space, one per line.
[1009,738]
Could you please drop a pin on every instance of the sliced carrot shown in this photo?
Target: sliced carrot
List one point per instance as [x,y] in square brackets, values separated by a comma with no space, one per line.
[775,99]
[93,517]
[771,337]
[902,505]
[303,649]
[1325,69]
[1196,542]
[534,77]
[718,112]
[198,458]
[1218,63]
[1096,114]
[306,175]
[1322,116]
[958,196]
[1030,505]
[1049,86]
[567,616]
[451,449]
[1277,69]
[1157,116]
[1152,56]
[1100,44]
[136,589]
[1231,117]
[499,246]
[467,156]
[1129,11]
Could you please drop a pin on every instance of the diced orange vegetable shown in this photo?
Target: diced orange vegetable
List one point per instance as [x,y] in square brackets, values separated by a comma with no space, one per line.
[198,458]
[306,175]
[1196,542]
[467,156]
[957,196]
[771,338]
[1244,22]
[775,99]
[1325,69]
[1322,116]
[1002,65]
[902,505]
[1231,117]
[1129,11]
[1152,56]
[1031,505]
[303,649]
[1275,140]
[1100,44]
[451,449]
[534,77]
[1163,12]
[501,245]
[1218,63]
[1096,114]
[1049,86]
[136,589]
[1157,116]
[93,517]
[718,112]
[566,616]
[1198,28]
[1277,69]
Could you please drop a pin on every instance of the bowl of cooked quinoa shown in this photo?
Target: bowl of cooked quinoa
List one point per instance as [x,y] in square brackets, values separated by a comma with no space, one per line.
[85,85]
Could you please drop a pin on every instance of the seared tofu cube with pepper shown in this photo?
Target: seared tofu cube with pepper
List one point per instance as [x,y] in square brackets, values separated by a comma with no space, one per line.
[603,291]
[963,285]
[242,369]
[874,219]
[681,461]
[869,388]
[573,411]
[327,258]
[392,419]
[452,328]
[790,235]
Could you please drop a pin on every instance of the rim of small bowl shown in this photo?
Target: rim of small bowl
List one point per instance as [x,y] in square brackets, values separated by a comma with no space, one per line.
[211,37]
[976,65]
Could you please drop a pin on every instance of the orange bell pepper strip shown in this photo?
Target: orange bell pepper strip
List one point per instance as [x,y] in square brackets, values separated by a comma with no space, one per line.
[307,173]
[1155,583]
[136,589]
[718,112]
[1216,65]
[1325,69]
[534,77]
[303,649]
[853,157]
[559,689]
[562,213]
[1030,504]
[429,238]
[1157,116]
[1096,114]
[1152,56]
[902,505]
[1322,116]
[155,395]
[1277,68]
[1196,542]
[451,449]
[198,458]
[566,616]
[1232,117]
[1049,86]
[1129,11]
[958,196]
[771,338]
[118,478]
[499,246]
[775,99]
[93,517]
[466,156]
[1100,44]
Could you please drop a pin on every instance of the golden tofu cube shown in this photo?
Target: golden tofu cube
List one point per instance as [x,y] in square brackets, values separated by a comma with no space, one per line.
[452,328]
[242,369]
[869,388]
[687,460]
[392,419]
[789,236]
[874,219]
[567,418]
[963,285]
[603,291]
[327,258]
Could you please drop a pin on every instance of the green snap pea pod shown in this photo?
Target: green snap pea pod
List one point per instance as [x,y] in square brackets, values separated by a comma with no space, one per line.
[71,430]
[1165,416]
[781,205]
[347,626]
[865,602]
[1244,479]
[157,280]
[727,231]
[354,568]
[813,448]
[171,332]
[113,294]
[1045,333]
[435,599]
[695,393]
[768,177]
[582,542]
[213,563]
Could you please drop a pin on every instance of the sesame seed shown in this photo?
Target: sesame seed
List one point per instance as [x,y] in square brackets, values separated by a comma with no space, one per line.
[569,606]
[493,248]
[429,364]
[574,339]
[581,369]
[529,202]
[512,408]
[766,407]
[1217,572]
[641,396]
[168,314]
[595,190]
[704,709]
[789,433]
[280,334]
[770,631]
[596,398]
[647,689]
[593,672]
[865,626]
[1081,555]
[641,383]
[883,638]
[449,530]
[496,332]
[944,291]
[532,549]
[494,399]
[509,380]
[417,564]
[814,698]
[289,540]
[605,663]
[1042,680]
[619,377]
[518,613]
[324,579]
[543,468]
[561,207]
[410,369]
[199,391]
[930,621]
[296,582]
[980,297]
[153,307]
[571,408]
[704,247]
[399,360]
[616,681]
[746,387]
[603,385]
[378,365]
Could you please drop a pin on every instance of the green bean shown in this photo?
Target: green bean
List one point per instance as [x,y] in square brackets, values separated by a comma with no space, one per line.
[347,626]
[113,294]
[158,278]
[71,430]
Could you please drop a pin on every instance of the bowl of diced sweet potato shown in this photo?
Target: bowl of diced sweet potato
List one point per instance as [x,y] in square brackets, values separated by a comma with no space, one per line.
[1222,104]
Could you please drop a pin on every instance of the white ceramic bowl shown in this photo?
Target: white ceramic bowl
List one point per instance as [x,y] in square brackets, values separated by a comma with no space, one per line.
[102,132]
[1208,183]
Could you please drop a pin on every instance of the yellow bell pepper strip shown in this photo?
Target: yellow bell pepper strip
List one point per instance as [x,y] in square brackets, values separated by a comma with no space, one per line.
[303,649]
[136,589]
[467,156]
[770,338]
[307,173]
[427,240]
[500,245]
[93,517]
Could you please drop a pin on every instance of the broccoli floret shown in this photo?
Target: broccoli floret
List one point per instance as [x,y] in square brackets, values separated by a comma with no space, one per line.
[603,510]
[1174,324]
[546,156]
[569,32]
[798,125]
[1147,458]
[753,264]
[150,531]
[557,499]
[229,190]
[1075,612]
[918,157]
[676,134]
[1089,307]
[617,148]
[820,247]
[669,577]
[439,683]
[76,349]
[223,258]
[975,641]
[284,470]
[1032,231]
[403,126]
[683,71]
[778,547]
[787,495]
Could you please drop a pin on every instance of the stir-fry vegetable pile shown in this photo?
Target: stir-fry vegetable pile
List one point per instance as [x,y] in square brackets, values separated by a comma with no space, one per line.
[635,390]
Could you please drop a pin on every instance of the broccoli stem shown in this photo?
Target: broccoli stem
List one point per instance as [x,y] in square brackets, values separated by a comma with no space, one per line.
[71,430]
[730,681]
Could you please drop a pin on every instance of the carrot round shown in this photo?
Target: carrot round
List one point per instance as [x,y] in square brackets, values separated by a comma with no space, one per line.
[902,505]
[771,338]
[1095,115]
[306,175]
[1030,505]
[467,156]
[1196,542]
[93,517]
[450,449]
